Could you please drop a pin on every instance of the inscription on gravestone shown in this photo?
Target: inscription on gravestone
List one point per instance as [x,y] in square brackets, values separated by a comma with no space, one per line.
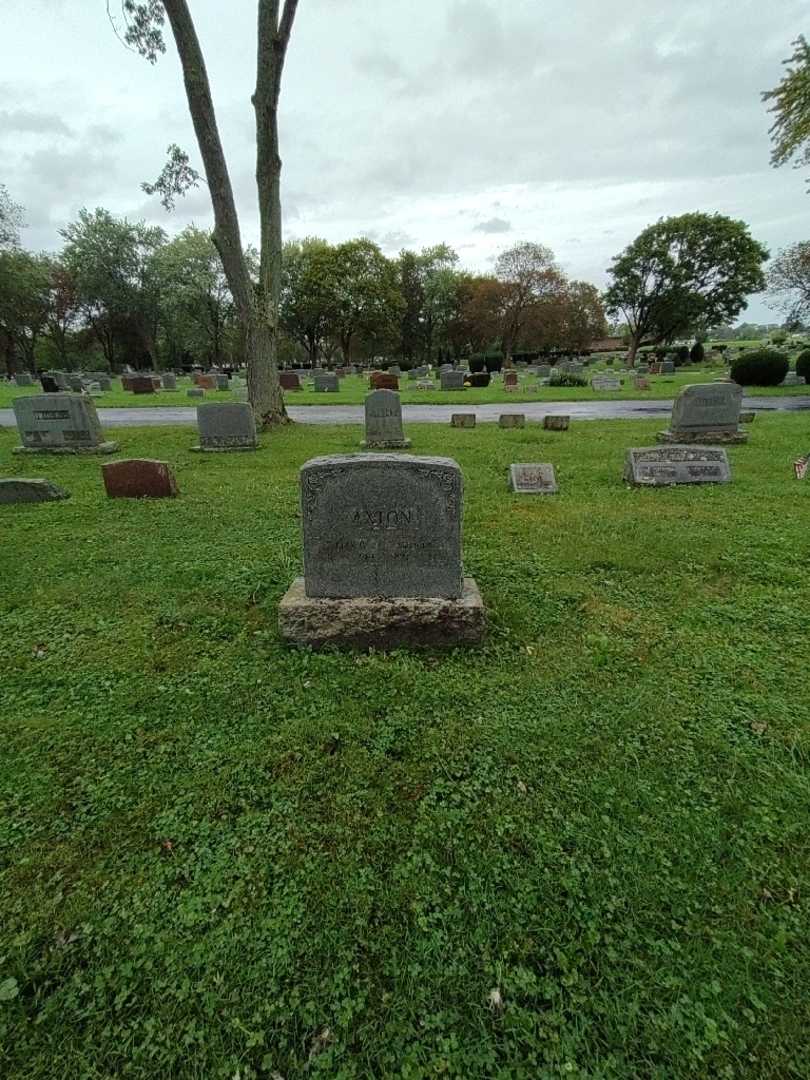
[383,413]
[532,478]
[706,413]
[663,466]
[381,525]
[59,423]
[230,426]
[452,380]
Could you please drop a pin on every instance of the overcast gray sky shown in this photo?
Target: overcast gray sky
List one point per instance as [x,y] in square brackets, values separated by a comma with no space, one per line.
[574,123]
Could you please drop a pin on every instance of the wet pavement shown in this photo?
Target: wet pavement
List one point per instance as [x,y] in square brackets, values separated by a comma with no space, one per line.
[438,414]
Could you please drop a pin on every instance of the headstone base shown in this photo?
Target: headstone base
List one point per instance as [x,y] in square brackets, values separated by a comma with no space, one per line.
[370,621]
[221,449]
[703,438]
[102,448]
[389,444]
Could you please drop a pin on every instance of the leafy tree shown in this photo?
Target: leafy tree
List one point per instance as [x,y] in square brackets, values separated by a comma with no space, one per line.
[789,282]
[308,293]
[25,301]
[413,298]
[63,312]
[684,273]
[440,279]
[11,220]
[110,261]
[482,303]
[697,354]
[790,105]
[528,274]
[196,306]
[366,300]
[257,306]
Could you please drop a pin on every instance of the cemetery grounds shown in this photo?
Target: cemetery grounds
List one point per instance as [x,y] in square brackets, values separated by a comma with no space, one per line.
[578,851]
[354,388]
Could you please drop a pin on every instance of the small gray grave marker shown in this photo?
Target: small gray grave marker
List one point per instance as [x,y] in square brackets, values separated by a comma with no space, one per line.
[532,478]
[664,466]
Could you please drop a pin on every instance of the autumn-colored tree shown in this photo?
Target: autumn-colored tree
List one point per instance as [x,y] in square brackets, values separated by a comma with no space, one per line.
[528,274]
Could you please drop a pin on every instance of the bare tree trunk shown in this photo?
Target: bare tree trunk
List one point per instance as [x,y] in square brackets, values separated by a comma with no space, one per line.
[635,341]
[264,392]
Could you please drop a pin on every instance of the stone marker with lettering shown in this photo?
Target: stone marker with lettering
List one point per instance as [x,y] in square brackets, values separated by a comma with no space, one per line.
[223,382]
[139,478]
[382,380]
[512,420]
[532,478]
[59,424]
[382,555]
[606,382]
[510,380]
[326,382]
[383,413]
[15,489]
[556,423]
[230,426]
[462,419]
[452,380]
[664,466]
[142,384]
[706,413]
[169,381]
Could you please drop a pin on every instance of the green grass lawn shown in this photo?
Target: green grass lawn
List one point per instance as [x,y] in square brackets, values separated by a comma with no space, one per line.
[580,851]
[354,388]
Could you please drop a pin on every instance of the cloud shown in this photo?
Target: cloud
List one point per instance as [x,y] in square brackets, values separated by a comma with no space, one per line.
[494,225]
[29,121]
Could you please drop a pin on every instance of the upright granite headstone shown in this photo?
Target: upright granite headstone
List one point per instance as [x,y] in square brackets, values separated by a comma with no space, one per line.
[382,555]
[76,384]
[382,380]
[49,384]
[169,381]
[17,490]
[105,383]
[289,380]
[533,478]
[663,466]
[326,382]
[452,380]
[23,380]
[606,382]
[223,382]
[510,380]
[383,413]
[706,413]
[59,424]
[142,384]
[139,478]
[230,426]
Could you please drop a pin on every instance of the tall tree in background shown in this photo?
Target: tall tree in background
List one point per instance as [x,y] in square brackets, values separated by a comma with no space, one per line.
[308,293]
[257,307]
[367,301]
[528,274]
[682,275]
[25,301]
[790,105]
[11,220]
[789,283]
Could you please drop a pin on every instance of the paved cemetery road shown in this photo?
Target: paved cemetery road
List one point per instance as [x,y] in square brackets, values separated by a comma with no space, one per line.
[437,414]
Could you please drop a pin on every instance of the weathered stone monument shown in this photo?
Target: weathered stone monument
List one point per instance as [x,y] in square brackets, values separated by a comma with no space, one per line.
[452,380]
[288,380]
[142,384]
[462,419]
[195,391]
[383,413]
[223,382]
[382,380]
[663,466]
[606,382]
[169,381]
[139,478]
[59,424]
[556,423]
[510,380]
[18,490]
[230,426]
[23,380]
[382,555]
[326,382]
[706,413]
[512,420]
[533,478]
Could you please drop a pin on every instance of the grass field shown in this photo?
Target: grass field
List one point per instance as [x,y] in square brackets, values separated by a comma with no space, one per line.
[580,851]
[354,388]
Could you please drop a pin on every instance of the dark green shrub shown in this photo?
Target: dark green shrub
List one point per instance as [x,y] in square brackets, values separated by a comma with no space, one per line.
[477,362]
[493,362]
[803,364]
[698,353]
[567,378]
[681,355]
[759,367]
[478,378]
